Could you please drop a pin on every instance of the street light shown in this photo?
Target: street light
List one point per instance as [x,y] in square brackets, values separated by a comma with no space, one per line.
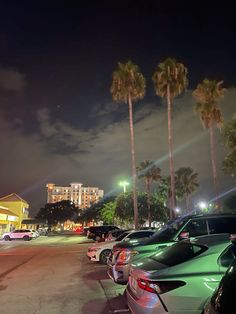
[177,210]
[202,205]
[124,184]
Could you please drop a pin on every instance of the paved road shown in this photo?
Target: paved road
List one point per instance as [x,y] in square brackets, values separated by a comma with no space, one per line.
[53,275]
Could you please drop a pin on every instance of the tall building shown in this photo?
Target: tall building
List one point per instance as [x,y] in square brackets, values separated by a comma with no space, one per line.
[81,196]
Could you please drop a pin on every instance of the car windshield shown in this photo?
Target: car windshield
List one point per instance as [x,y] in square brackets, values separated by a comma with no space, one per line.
[178,253]
[122,236]
[167,232]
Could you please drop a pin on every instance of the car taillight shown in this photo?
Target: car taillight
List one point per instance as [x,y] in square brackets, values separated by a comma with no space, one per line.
[159,286]
[124,256]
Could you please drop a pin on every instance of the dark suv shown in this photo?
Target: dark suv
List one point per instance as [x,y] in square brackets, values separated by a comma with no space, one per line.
[191,226]
[100,232]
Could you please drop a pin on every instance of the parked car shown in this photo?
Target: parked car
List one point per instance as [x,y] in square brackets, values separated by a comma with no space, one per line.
[113,234]
[180,278]
[99,252]
[100,232]
[79,230]
[186,227]
[35,232]
[17,234]
[222,301]
[85,232]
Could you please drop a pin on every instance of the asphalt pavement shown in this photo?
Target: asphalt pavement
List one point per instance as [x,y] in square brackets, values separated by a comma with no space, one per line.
[23,264]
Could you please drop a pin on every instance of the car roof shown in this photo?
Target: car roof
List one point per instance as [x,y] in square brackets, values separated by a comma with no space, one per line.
[208,215]
[142,231]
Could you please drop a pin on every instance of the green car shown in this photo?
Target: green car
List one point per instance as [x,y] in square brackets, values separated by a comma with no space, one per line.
[192,226]
[179,279]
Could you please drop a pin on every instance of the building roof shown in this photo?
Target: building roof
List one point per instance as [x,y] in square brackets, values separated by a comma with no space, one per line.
[7,212]
[13,197]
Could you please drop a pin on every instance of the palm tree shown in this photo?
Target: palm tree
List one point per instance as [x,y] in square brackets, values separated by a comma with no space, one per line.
[170,80]
[229,138]
[207,95]
[150,172]
[129,85]
[187,180]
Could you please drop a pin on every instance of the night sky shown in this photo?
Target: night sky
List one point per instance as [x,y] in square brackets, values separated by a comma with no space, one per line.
[58,121]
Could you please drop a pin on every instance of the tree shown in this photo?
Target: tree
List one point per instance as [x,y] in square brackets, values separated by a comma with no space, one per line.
[58,212]
[170,80]
[124,207]
[149,172]
[93,213]
[187,182]
[108,213]
[207,95]
[124,211]
[128,85]
[229,137]
[164,189]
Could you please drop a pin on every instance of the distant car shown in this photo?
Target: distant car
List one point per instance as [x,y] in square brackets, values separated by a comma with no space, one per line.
[79,230]
[24,234]
[85,232]
[179,278]
[37,234]
[222,301]
[99,252]
[98,233]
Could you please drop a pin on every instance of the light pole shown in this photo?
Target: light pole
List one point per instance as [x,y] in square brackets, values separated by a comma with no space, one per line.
[124,184]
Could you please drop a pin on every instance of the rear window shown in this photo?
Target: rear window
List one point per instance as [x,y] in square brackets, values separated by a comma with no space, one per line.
[178,253]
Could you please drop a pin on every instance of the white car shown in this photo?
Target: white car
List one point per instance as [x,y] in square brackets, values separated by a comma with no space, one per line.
[35,232]
[99,252]
[24,234]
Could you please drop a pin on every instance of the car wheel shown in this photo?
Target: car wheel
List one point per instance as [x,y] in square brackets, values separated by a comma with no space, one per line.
[26,238]
[104,255]
[7,238]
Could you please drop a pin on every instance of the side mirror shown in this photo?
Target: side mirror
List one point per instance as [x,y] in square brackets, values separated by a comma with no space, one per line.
[183,235]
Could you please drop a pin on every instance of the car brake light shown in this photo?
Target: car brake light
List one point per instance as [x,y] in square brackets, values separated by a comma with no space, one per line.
[124,256]
[159,286]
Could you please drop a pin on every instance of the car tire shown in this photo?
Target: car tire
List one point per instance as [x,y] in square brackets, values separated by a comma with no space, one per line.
[7,238]
[26,238]
[104,255]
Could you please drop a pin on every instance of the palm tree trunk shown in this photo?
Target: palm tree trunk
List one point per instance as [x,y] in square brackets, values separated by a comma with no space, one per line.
[187,203]
[172,172]
[148,188]
[134,174]
[213,163]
